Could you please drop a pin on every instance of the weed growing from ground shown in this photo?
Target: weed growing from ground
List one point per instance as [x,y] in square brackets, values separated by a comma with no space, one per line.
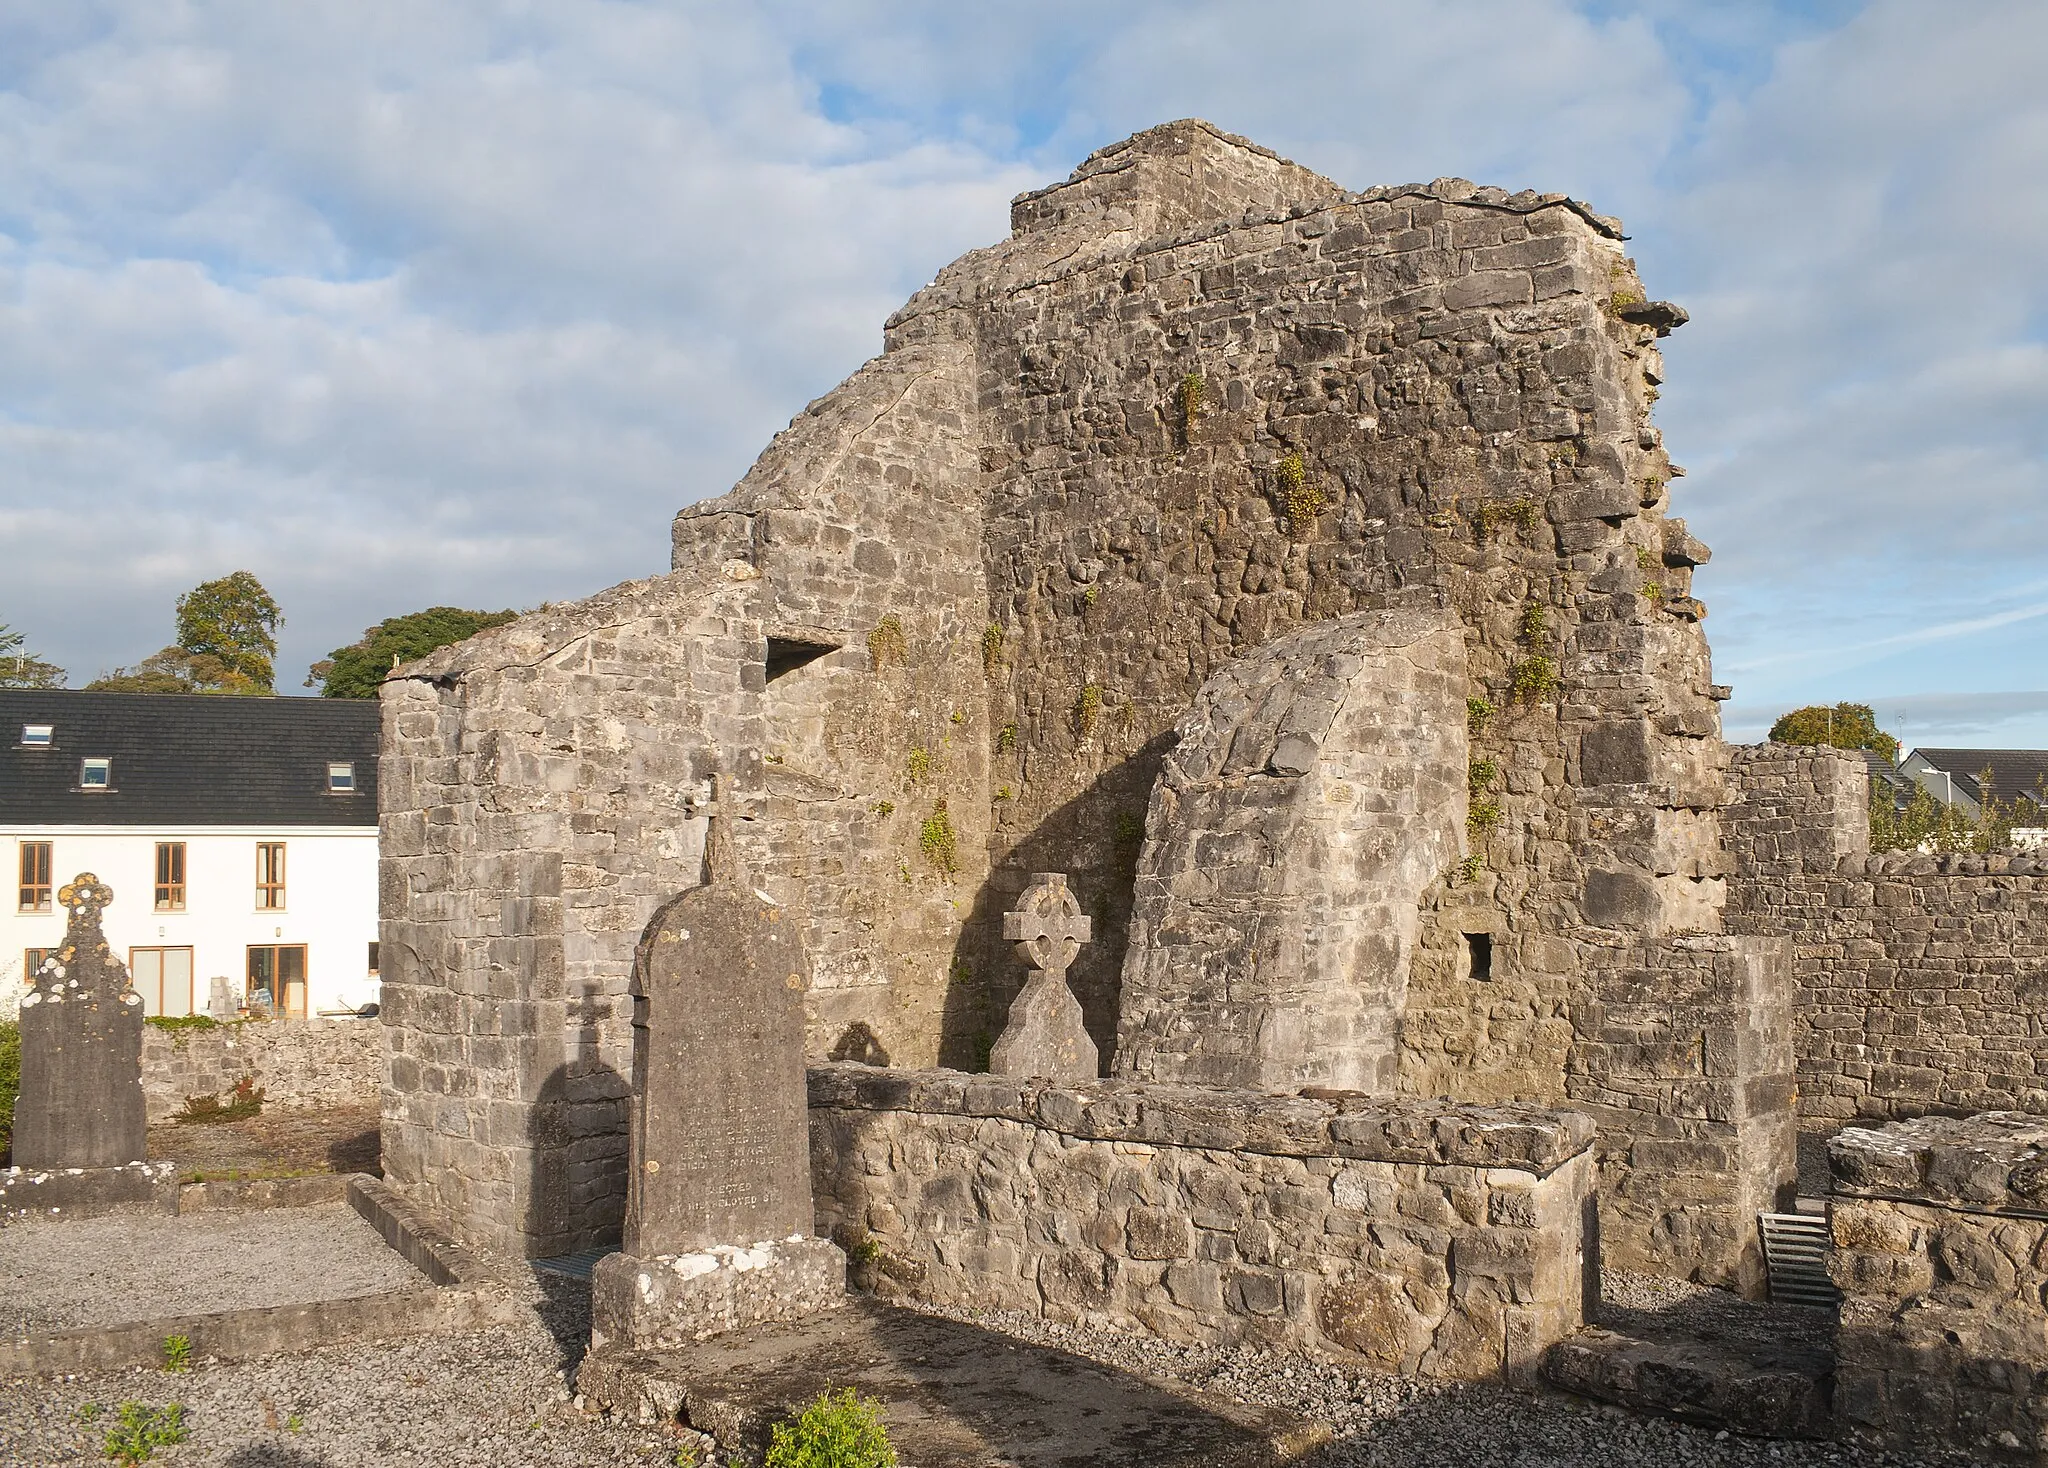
[141,1429]
[838,1430]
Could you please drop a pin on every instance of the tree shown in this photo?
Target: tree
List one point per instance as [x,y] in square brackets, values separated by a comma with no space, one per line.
[1845,726]
[356,670]
[22,669]
[227,637]
[235,621]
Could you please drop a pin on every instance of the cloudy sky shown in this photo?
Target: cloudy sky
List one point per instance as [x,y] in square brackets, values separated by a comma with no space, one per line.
[407,303]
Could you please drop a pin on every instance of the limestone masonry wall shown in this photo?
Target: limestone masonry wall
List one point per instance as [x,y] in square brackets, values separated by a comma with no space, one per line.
[297,1062]
[1921,981]
[1941,1253]
[1425,1237]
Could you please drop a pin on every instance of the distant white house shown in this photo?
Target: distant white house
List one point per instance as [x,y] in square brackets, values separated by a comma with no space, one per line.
[239,836]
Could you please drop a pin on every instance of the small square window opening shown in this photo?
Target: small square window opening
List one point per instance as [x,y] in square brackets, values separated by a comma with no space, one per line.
[341,779]
[95,774]
[1480,947]
[373,958]
[37,733]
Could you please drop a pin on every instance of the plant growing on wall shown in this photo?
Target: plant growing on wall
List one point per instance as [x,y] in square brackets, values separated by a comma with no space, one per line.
[937,839]
[1492,515]
[1088,709]
[1190,405]
[1533,680]
[917,765]
[991,647]
[1302,500]
[887,644]
[1478,714]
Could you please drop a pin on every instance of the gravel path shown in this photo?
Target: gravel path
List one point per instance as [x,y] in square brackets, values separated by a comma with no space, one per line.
[498,1398]
[1652,1305]
[105,1271]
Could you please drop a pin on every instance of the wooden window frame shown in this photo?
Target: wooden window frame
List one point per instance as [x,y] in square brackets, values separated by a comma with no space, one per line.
[33,893]
[270,893]
[275,950]
[32,963]
[170,876]
[154,1005]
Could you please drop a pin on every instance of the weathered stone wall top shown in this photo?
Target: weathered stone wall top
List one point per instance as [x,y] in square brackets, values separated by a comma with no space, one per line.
[297,1062]
[1796,808]
[1996,1161]
[1533,1139]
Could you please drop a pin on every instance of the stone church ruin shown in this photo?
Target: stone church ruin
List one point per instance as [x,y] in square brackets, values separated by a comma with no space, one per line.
[1294,570]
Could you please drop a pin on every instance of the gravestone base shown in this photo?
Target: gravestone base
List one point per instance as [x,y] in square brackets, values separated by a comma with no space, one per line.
[677,1299]
[88,1192]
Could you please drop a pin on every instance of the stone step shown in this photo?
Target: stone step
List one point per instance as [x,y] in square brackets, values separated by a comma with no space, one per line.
[1758,1389]
[953,1395]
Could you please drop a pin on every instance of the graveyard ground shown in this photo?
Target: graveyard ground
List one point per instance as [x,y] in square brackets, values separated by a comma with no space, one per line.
[273,1143]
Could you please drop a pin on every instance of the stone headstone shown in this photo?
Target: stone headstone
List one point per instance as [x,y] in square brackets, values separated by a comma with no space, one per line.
[81,1101]
[718,1206]
[221,1003]
[1045,1035]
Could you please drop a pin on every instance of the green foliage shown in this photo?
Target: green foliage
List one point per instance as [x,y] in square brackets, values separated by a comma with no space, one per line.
[1190,405]
[1928,823]
[887,644]
[1478,714]
[356,670]
[1845,726]
[1467,871]
[141,1429]
[178,1023]
[884,808]
[1006,739]
[177,1353]
[1489,517]
[991,647]
[1534,626]
[10,1081]
[838,1430]
[867,1251]
[1088,709]
[1089,595]
[243,1102]
[1483,815]
[937,839]
[1653,591]
[1481,774]
[1646,559]
[1303,501]
[917,766]
[1533,680]
[174,670]
[235,621]
[22,669]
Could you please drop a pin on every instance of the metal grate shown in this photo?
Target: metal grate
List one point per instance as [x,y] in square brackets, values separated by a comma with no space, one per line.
[1796,1249]
[574,1266]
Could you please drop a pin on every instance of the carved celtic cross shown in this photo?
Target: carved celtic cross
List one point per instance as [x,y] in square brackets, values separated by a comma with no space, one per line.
[1047,925]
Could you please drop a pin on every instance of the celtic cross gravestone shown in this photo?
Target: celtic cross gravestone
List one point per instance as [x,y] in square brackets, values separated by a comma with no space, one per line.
[1045,1035]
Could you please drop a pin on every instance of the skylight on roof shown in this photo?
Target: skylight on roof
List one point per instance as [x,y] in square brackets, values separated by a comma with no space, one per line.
[341,778]
[95,774]
[37,733]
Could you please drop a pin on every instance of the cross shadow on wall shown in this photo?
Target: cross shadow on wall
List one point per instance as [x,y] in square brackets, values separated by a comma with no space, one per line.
[575,1158]
[1095,838]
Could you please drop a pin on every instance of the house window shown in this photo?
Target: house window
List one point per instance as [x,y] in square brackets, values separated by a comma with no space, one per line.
[277,978]
[270,876]
[32,962]
[95,774]
[373,960]
[37,733]
[35,876]
[163,977]
[170,876]
[341,779]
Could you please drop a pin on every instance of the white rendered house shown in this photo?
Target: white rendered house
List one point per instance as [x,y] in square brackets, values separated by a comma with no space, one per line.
[239,836]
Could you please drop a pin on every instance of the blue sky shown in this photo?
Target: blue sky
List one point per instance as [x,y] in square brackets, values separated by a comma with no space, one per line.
[404,303]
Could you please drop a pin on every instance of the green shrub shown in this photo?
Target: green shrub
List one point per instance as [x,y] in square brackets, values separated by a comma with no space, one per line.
[839,1430]
[1533,679]
[177,1353]
[1478,713]
[10,1080]
[1087,709]
[938,841]
[141,1429]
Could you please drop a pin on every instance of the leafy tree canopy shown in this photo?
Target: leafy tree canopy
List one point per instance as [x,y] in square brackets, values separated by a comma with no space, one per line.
[20,668]
[356,670]
[175,670]
[235,621]
[1845,726]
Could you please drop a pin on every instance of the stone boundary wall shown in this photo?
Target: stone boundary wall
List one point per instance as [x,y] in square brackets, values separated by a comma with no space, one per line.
[1430,1238]
[309,1062]
[1920,980]
[1941,1252]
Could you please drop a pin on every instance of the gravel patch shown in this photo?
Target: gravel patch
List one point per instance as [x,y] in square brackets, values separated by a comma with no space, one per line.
[1649,1304]
[56,1274]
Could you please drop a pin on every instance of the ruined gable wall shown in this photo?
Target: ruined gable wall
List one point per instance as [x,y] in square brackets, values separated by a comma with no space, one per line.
[532,781]
[1922,981]
[1471,413]
[863,520]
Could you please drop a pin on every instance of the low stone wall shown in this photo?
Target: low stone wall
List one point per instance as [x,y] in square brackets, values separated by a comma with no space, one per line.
[1941,1252]
[1919,980]
[1431,1238]
[297,1062]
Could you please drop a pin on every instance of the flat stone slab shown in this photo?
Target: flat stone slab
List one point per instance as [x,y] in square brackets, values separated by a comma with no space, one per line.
[953,1395]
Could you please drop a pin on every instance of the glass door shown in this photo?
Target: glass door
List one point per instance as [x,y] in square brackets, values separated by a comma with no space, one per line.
[277,978]
[163,977]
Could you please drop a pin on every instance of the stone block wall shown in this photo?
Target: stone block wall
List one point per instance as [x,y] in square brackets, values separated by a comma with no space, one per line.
[1941,1252]
[1428,1238]
[1682,1053]
[297,1062]
[1921,981]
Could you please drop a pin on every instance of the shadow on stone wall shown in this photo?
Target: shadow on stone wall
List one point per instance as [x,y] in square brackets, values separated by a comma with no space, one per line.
[574,1194]
[1095,839]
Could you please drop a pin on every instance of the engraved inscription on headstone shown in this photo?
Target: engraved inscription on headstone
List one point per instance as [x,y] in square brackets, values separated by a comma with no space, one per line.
[81,1101]
[1045,1035]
